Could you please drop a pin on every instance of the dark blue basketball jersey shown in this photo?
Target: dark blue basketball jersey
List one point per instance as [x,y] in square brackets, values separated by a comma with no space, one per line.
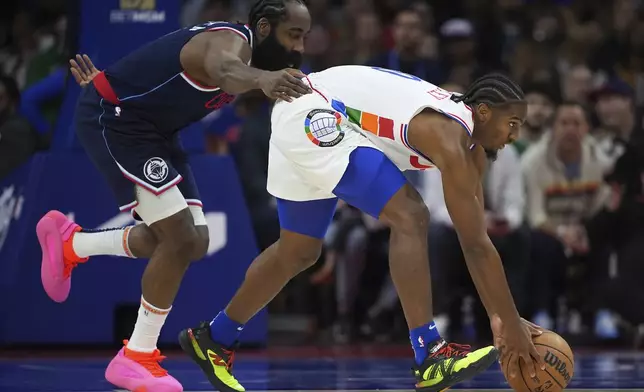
[151,82]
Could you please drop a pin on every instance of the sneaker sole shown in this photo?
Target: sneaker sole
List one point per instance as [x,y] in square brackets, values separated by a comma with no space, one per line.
[466,374]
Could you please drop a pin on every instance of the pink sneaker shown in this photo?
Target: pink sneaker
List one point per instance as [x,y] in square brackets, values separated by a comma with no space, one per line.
[55,234]
[140,372]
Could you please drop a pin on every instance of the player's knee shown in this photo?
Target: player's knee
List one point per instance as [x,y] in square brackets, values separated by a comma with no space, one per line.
[409,214]
[189,243]
[200,249]
[297,259]
[178,235]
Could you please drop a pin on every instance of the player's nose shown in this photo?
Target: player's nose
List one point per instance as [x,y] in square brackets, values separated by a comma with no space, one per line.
[299,46]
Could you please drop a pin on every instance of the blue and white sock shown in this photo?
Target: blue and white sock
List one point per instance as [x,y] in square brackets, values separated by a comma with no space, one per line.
[225,331]
[422,339]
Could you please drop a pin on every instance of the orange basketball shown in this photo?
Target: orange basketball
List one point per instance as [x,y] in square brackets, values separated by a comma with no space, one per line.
[559,370]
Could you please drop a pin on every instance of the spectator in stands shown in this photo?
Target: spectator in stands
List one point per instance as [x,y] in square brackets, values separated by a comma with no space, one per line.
[367,39]
[459,52]
[17,140]
[616,114]
[564,181]
[504,204]
[405,56]
[577,83]
[541,105]
[33,55]
[618,232]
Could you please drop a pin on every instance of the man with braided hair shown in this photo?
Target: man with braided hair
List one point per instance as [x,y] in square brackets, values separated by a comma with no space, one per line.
[349,140]
[127,120]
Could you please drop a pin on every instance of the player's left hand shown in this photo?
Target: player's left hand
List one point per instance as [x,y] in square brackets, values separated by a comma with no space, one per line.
[83,69]
[533,328]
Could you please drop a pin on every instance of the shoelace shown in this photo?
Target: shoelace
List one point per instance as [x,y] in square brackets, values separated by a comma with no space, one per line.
[454,350]
[229,363]
[150,361]
[67,270]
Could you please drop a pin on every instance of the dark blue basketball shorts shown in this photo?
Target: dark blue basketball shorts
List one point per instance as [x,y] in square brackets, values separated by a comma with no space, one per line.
[129,151]
[369,182]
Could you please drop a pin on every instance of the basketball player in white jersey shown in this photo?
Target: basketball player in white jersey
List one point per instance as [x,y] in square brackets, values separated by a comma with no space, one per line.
[350,139]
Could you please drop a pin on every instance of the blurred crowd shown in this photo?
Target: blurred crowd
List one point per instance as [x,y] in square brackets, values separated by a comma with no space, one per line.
[565,203]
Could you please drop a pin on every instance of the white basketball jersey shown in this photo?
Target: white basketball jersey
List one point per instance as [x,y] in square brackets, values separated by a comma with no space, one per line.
[382,102]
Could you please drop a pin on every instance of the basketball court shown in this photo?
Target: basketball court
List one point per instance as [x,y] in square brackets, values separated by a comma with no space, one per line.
[305,369]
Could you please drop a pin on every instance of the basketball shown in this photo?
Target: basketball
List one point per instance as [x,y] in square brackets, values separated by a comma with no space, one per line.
[559,370]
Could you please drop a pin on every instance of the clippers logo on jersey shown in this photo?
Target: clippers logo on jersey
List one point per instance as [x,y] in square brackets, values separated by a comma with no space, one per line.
[155,170]
[323,127]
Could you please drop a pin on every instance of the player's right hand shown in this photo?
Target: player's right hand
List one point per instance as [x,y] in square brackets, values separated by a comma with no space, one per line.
[83,69]
[285,84]
[514,341]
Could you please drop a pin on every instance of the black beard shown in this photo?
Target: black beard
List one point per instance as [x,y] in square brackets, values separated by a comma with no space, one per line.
[270,55]
[491,154]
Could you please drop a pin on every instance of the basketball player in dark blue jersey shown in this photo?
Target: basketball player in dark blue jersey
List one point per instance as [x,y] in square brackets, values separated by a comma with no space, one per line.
[127,120]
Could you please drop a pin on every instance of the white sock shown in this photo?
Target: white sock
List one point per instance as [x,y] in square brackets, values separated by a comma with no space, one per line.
[148,327]
[105,242]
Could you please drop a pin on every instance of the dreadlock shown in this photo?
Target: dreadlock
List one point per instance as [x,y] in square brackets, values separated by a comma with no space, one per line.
[273,10]
[493,90]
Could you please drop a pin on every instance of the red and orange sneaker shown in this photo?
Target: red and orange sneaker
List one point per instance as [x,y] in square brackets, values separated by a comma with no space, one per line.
[55,234]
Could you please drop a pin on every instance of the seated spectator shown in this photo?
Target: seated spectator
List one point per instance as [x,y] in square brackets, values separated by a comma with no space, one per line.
[504,204]
[618,232]
[18,141]
[577,83]
[616,114]
[564,181]
[541,104]
[405,56]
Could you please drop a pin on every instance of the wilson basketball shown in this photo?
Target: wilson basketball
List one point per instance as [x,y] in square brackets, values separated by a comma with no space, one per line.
[559,370]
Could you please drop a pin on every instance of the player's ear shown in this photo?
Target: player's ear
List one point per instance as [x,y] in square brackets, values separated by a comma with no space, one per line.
[484,112]
[263,28]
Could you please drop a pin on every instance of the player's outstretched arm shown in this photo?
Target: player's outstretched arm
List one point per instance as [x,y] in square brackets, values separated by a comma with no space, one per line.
[446,144]
[226,59]
[460,187]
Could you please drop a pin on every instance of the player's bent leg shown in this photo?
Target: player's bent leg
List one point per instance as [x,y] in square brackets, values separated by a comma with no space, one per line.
[211,346]
[178,243]
[65,245]
[375,185]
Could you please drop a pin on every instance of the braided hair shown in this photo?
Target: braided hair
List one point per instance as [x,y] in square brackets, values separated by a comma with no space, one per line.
[493,90]
[273,10]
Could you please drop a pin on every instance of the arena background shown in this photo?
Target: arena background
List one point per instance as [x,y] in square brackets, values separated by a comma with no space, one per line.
[586,51]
